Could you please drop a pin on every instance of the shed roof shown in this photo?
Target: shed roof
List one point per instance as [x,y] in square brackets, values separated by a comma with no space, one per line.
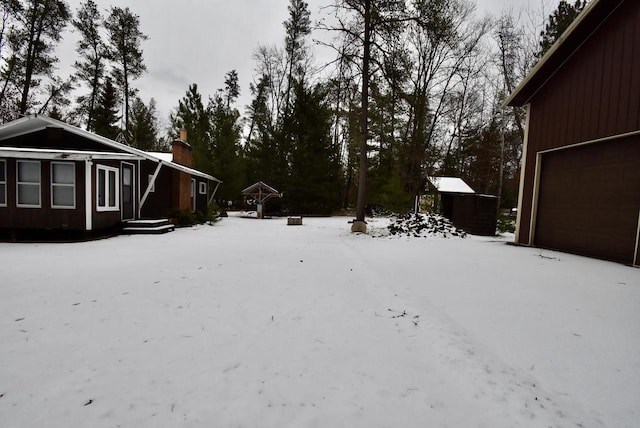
[450,185]
[587,22]
[35,123]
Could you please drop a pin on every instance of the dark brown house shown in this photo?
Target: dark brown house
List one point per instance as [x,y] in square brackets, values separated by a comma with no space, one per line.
[54,176]
[580,179]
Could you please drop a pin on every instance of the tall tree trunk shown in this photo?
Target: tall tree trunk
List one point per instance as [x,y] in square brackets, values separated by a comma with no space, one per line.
[364,125]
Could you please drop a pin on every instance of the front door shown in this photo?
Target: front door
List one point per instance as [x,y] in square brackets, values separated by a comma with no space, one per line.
[128,195]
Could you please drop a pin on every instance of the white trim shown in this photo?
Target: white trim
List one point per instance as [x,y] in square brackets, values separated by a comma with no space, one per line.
[597,140]
[152,183]
[28,183]
[147,191]
[107,188]
[73,185]
[61,155]
[534,201]
[3,183]
[213,194]
[202,187]
[133,190]
[635,253]
[88,195]
[523,166]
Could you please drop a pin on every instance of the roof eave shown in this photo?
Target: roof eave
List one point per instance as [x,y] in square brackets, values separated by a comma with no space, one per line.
[523,93]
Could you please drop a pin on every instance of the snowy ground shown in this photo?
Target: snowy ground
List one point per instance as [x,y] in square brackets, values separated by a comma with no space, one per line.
[252,323]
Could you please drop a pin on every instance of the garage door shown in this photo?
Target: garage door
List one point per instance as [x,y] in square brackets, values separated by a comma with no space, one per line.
[589,200]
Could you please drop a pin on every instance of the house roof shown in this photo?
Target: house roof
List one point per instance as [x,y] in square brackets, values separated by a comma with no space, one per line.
[450,185]
[587,22]
[35,123]
[63,155]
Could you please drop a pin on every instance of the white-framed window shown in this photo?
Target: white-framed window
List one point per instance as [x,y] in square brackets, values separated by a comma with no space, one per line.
[3,183]
[153,183]
[63,185]
[107,186]
[28,184]
[202,188]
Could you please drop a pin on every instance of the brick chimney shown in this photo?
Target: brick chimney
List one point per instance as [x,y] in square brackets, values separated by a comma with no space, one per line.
[182,150]
[181,193]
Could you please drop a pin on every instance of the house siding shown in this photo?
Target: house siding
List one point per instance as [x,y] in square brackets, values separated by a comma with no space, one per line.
[158,203]
[595,94]
[46,217]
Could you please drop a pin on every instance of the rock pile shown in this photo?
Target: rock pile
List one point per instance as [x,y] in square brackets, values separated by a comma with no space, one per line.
[424,226]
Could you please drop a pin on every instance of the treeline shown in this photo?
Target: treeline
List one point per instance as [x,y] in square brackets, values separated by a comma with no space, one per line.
[416,89]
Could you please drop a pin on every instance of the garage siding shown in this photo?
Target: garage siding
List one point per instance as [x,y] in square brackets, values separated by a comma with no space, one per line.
[589,200]
[594,93]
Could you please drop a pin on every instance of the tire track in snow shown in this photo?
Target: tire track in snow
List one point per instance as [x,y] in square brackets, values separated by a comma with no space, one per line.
[510,393]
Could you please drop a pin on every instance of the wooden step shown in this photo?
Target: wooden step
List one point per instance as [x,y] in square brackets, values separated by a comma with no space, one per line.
[154,226]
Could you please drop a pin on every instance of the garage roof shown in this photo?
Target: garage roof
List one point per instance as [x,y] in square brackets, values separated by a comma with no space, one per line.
[587,22]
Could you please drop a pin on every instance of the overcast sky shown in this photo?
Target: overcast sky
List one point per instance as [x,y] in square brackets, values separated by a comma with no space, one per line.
[199,41]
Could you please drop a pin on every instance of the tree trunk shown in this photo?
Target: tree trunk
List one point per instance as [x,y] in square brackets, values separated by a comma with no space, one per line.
[364,128]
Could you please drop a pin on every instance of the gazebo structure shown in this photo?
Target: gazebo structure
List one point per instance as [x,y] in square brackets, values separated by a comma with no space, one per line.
[261,193]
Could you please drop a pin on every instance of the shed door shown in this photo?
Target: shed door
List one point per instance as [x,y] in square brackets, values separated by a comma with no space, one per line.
[589,200]
[128,195]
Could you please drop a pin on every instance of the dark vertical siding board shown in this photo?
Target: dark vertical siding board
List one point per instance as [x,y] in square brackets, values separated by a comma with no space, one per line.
[608,89]
[573,100]
[615,71]
[634,102]
[596,87]
[624,75]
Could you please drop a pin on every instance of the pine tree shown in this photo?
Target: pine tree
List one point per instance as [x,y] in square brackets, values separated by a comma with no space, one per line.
[313,187]
[125,37]
[143,128]
[559,21]
[90,66]
[106,112]
[194,117]
[37,29]
[228,161]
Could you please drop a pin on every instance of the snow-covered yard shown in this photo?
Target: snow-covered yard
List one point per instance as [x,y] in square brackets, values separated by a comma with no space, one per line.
[254,323]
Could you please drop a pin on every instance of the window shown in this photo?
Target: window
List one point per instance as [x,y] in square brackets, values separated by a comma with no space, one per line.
[203,188]
[153,183]
[3,184]
[28,184]
[63,185]
[107,190]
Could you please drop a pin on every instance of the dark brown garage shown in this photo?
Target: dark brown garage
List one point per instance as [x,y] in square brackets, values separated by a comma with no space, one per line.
[589,199]
[580,179]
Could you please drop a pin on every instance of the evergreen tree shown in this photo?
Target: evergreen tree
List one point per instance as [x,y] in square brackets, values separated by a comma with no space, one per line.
[194,117]
[90,65]
[124,39]
[261,151]
[559,21]
[226,129]
[298,28]
[313,187]
[106,113]
[37,29]
[143,128]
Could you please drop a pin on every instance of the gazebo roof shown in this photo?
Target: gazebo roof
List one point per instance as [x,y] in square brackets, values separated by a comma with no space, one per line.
[261,192]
